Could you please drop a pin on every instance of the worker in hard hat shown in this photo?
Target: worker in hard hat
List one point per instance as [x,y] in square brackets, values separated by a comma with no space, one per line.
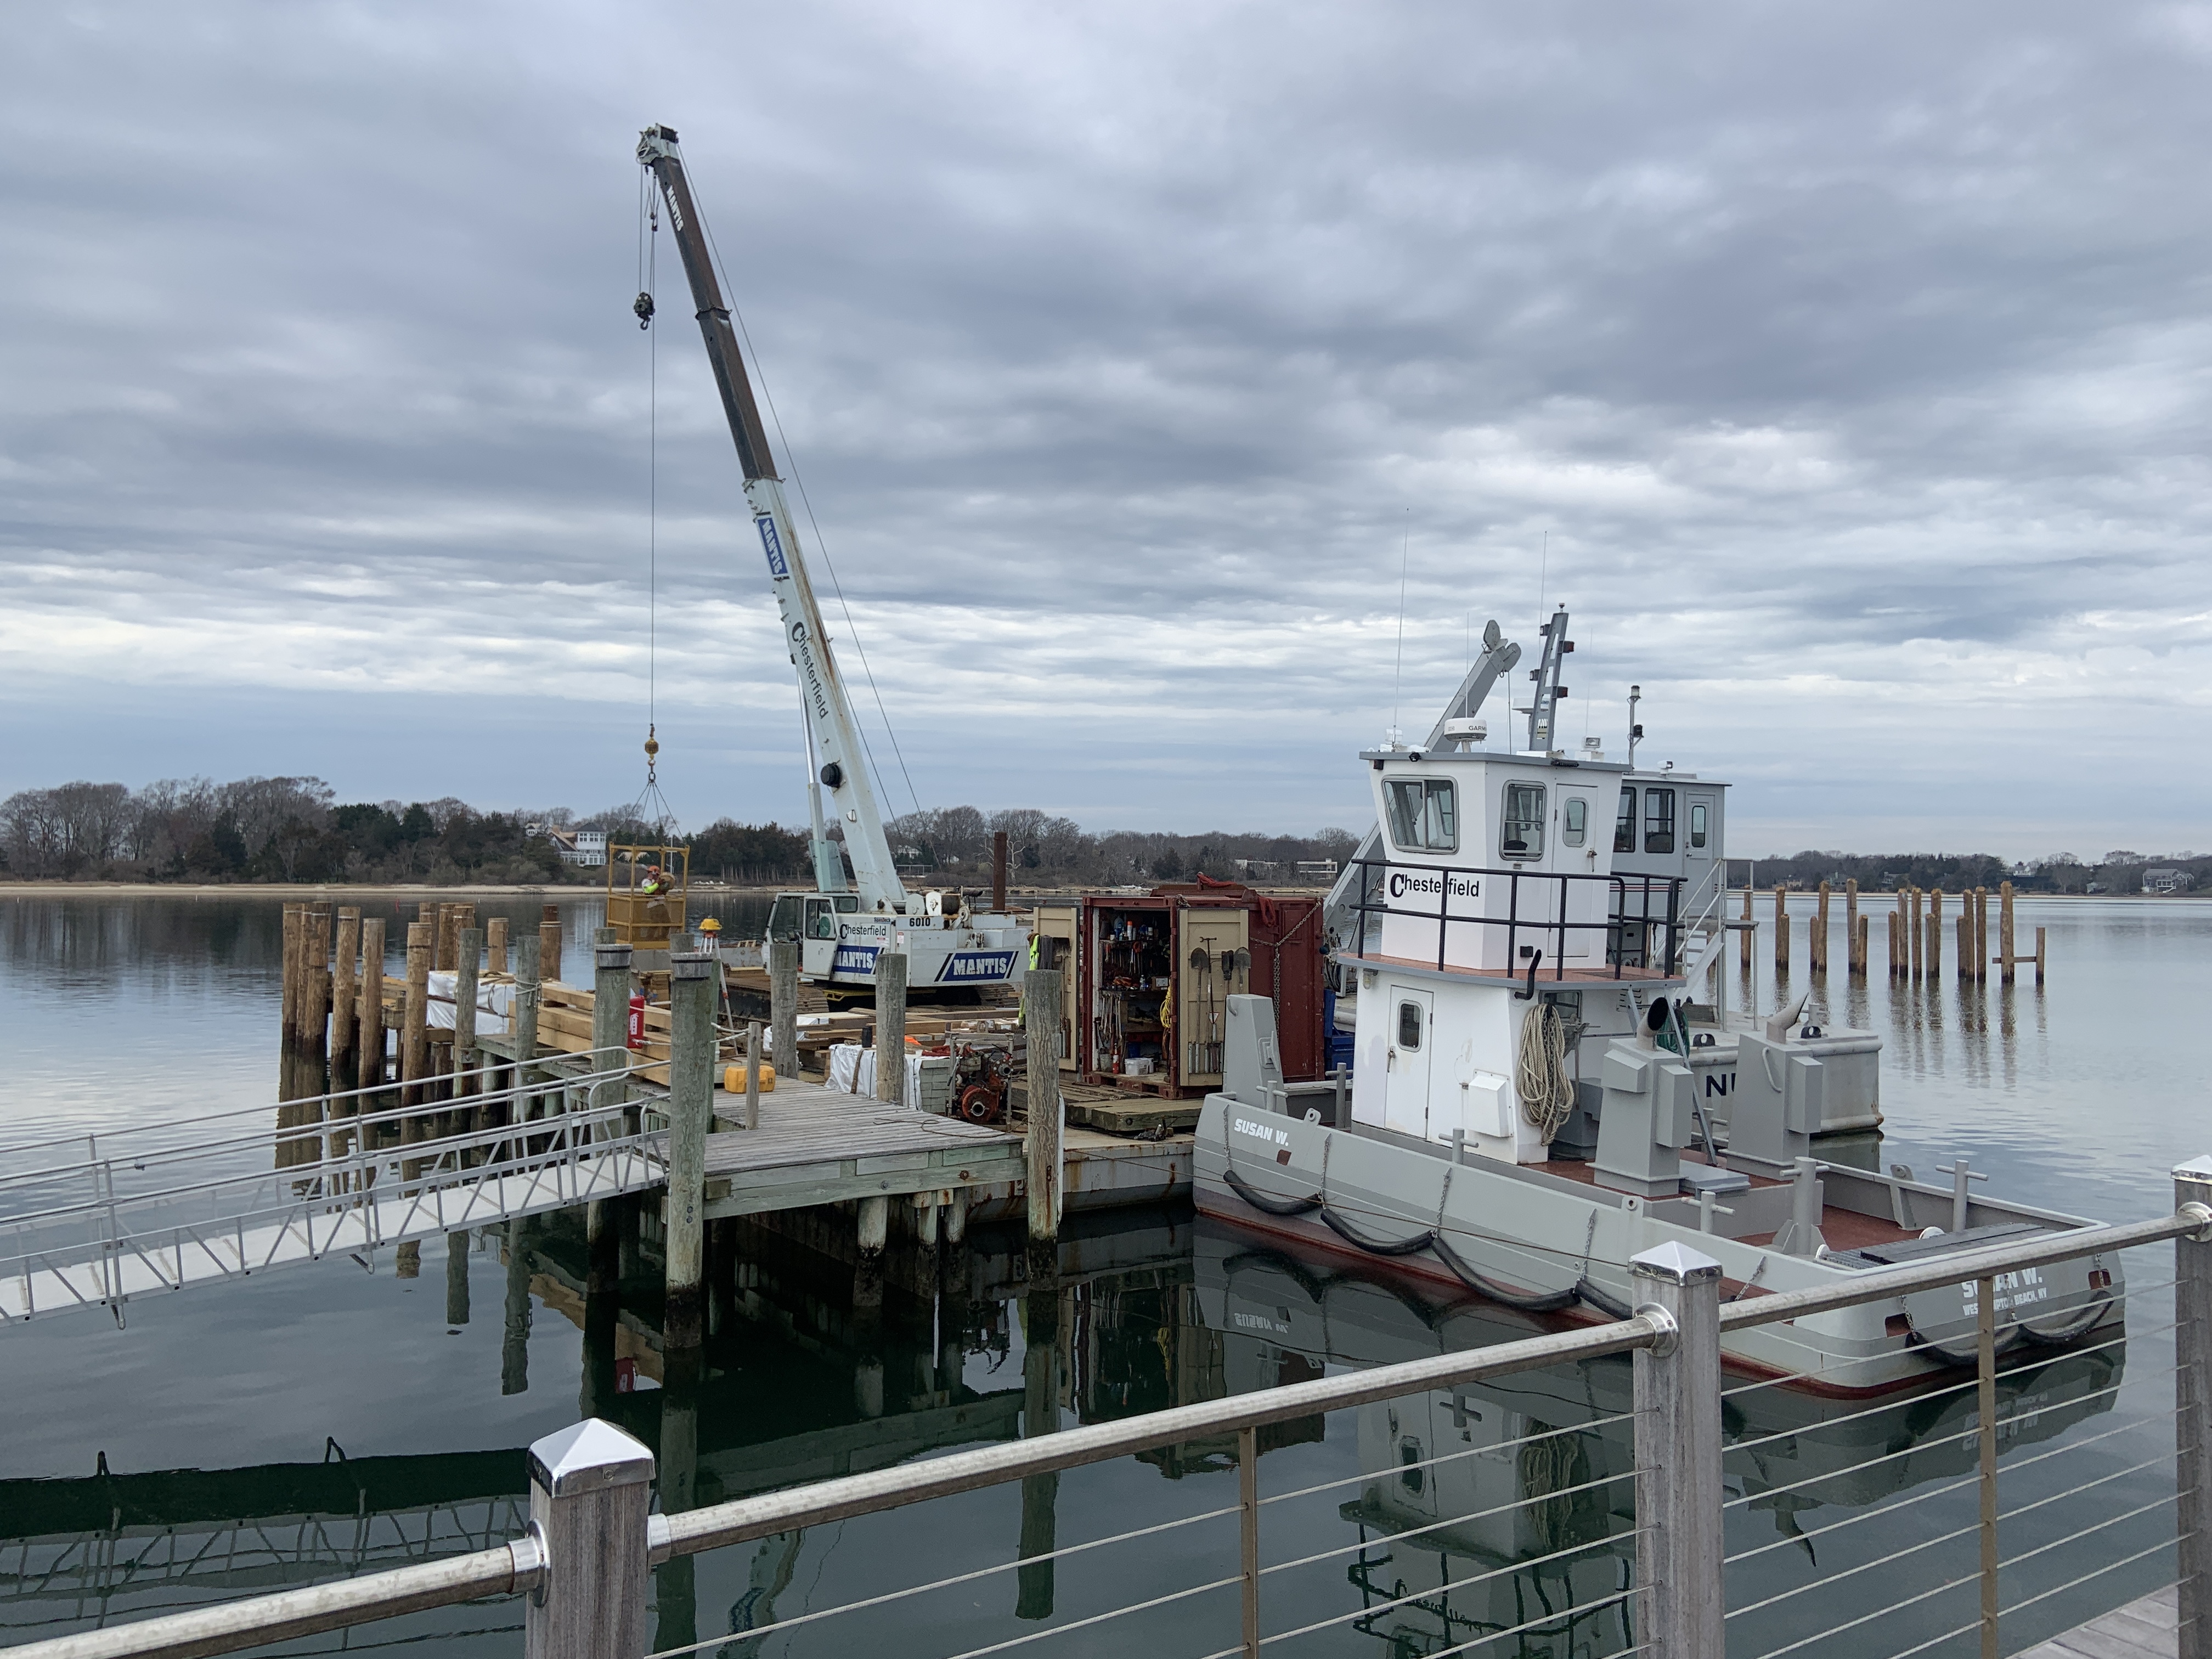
[655,884]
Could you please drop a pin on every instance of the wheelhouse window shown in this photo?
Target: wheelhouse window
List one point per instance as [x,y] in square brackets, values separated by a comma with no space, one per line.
[1697,824]
[1574,821]
[1424,815]
[1658,820]
[1409,1025]
[849,904]
[783,920]
[1521,826]
[1623,824]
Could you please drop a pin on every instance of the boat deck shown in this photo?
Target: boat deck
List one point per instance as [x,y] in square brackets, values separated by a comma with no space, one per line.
[1844,1230]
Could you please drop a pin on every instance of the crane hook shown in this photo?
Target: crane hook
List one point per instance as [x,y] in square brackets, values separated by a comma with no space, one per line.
[643,307]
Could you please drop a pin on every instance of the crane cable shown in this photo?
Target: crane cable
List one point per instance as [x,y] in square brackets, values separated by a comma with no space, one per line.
[648,262]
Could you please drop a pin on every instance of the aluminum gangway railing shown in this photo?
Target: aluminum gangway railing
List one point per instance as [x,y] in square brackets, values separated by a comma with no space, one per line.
[585,1562]
[93,1220]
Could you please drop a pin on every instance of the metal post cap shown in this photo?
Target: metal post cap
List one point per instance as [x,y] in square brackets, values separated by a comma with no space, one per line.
[588,1456]
[1676,1263]
[613,956]
[691,965]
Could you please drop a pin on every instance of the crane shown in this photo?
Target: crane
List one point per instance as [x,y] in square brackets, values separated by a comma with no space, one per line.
[841,930]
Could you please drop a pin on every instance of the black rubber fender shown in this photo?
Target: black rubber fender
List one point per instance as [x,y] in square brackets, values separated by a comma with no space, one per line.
[1259,1200]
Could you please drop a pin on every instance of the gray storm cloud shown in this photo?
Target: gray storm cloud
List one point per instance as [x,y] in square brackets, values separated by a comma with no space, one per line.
[1847,371]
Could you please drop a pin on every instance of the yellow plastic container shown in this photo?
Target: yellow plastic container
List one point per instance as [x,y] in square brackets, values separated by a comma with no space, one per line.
[734,1079]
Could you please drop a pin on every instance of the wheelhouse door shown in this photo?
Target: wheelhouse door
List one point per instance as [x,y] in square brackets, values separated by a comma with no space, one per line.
[1413,1033]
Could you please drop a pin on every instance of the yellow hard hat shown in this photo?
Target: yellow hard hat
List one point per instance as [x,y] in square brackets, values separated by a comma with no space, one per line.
[710,926]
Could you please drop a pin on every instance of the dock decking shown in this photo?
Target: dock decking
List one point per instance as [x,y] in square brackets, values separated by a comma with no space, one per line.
[816,1145]
[2146,1629]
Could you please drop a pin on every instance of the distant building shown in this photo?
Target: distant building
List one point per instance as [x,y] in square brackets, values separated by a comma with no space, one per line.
[587,848]
[2167,881]
[1315,869]
[1257,869]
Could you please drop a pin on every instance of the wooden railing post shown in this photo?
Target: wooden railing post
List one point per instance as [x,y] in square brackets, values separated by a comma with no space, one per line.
[1678,1551]
[591,1496]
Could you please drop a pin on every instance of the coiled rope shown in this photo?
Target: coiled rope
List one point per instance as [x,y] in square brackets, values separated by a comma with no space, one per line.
[1547,1094]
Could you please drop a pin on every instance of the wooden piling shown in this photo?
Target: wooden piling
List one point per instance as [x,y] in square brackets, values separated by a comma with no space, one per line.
[1913,938]
[1981,934]
[1781,930]
[2005,933]
[414,1021]
[1934,962]
[890,1027]
[345,1002]
[1859,946]
[549,943]
[468,948]
[524,1025]
[752,1074]
[315,1006]
[1044,1140]
[287,1047]
[368,1050]
[1966,941]
[495,945]
[1743,939]
[445,948]
[2039,955]
[691,1105]
[783,1006]
[999,871]
[1817,958]
[1855,960]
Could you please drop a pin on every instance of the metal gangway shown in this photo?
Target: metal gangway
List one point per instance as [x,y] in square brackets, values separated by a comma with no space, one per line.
[92,1220]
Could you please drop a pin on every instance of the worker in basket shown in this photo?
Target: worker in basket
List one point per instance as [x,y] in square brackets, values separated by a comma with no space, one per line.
[655,883]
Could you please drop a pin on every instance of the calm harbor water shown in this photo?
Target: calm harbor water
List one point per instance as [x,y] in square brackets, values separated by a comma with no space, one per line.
[340,1417]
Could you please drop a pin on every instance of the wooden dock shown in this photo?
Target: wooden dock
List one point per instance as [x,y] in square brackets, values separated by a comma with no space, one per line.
[2146,1629]
[816,1145]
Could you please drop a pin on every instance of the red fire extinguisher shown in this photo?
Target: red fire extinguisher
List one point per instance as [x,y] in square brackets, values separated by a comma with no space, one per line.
[637,1019]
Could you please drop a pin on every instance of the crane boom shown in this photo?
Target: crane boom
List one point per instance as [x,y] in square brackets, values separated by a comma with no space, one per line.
[843,769]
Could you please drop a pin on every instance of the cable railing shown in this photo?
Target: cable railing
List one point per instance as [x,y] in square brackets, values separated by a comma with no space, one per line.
[2102,1506]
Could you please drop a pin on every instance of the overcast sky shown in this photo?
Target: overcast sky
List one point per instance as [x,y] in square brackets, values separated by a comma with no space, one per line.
[1845,368]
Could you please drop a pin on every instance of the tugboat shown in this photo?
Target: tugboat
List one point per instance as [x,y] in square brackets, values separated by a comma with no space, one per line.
[1496,937]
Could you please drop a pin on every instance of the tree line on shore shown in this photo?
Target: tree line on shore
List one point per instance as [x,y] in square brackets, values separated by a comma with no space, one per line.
[2122,870]
[296,829]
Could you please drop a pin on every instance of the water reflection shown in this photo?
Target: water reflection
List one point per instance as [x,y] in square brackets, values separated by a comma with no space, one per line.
[1508,1505]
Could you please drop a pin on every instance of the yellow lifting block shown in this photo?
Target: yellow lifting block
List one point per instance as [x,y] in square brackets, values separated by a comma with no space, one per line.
[734,1079]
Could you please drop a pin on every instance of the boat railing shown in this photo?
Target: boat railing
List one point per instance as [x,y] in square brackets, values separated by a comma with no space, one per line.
[1242,1576]
[1641,921]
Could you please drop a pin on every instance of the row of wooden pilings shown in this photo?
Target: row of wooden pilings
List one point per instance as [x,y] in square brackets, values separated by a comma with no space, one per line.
[335,1041]
[1914,927]
[335,1036]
